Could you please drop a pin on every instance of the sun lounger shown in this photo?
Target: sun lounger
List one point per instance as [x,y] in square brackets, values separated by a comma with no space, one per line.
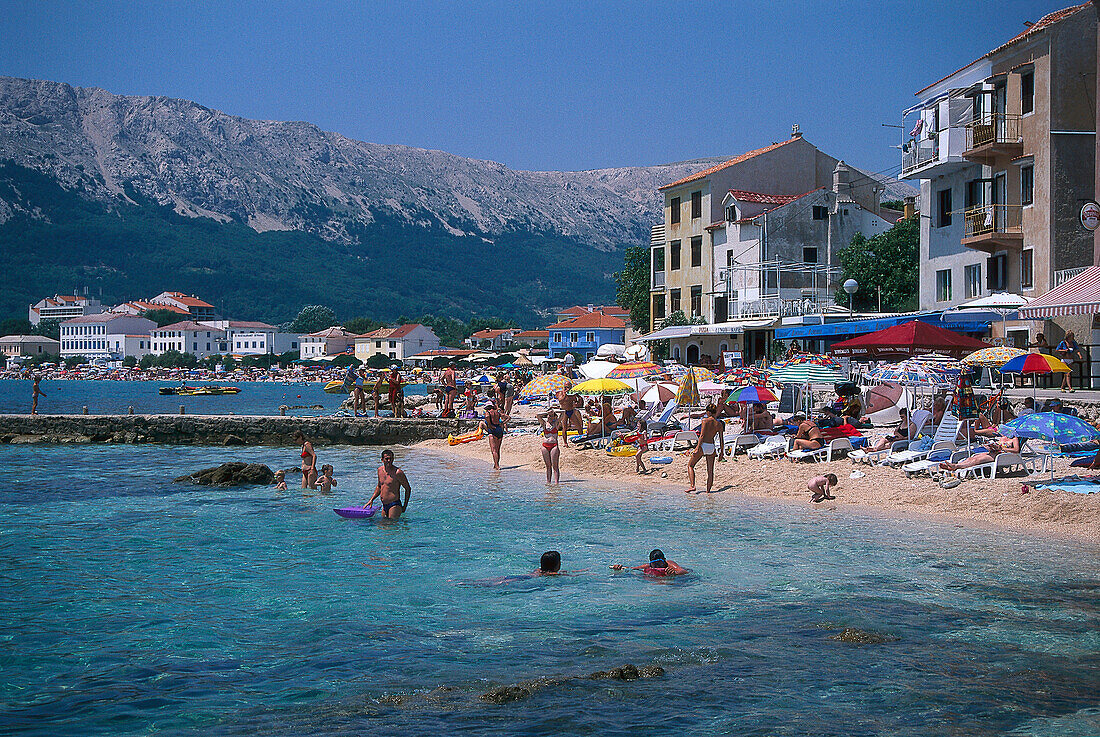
[771,447]
[875,457]
[678,440]
[744,441]
[825,452]
[944,437]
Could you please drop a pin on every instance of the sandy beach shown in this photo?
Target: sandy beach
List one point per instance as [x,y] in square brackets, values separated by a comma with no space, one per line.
[982,502]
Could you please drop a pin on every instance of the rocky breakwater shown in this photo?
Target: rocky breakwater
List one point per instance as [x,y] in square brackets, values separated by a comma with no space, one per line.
[221,430]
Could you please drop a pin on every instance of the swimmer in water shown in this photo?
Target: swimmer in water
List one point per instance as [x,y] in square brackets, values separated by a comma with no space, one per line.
[280,481]
[325,482]
[657,566]
[549,564]
[391,480]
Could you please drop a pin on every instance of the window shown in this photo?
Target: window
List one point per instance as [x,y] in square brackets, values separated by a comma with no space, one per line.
[696,300]
[557,337]
[943,285]
[658,307]
[589,337]
[658,260]
[996,268]
[674,300]
[809,254]
[944,214]
[697,251]
[674,255]
[1026,267]
[973,278]
[377,344]
[821,212]
[696,205]
[731,213]
[572,338]
[393,344]
[1027,92]
[1027,184]
[674,210]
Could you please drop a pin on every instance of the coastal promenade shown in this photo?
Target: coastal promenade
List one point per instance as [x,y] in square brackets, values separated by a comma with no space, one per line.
[222,429]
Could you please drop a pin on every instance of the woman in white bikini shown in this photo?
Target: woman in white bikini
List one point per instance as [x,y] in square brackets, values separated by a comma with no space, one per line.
[551,423]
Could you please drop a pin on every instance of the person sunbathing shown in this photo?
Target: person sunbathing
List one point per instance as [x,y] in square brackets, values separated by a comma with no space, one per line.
[808,437]
[762,419]
[904,431]
[607,421]
[993,449]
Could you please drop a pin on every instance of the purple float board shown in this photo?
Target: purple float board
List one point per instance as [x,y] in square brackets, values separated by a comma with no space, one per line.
[356,512]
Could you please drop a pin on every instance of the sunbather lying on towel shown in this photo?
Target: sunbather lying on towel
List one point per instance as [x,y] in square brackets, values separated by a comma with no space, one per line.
[808,437]
[904,431]
[994,449]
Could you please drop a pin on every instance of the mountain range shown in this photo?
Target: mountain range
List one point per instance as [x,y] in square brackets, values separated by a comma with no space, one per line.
[131,195]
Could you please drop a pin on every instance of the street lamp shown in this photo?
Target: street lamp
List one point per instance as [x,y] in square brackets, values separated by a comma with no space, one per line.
[850,287]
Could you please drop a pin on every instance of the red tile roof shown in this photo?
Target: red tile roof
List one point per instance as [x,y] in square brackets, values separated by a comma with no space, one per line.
[188,300]
[144,306]
[391,333]
[744,195]
[735,160]
[489,334]
[334,332]
[188,325]
[591,320]
[533,334]
[1047,20]
[578,310]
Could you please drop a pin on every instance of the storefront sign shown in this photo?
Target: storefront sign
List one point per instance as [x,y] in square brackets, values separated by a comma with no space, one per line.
[732,359]
[1090,215]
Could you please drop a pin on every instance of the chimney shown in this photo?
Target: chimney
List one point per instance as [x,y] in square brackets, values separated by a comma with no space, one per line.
[910,207]
[795,132]
[841,178]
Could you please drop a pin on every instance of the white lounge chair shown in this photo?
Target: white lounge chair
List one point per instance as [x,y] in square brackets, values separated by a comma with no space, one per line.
[744,441]
[944,437]
[773,446]
[825,452]
[674,443]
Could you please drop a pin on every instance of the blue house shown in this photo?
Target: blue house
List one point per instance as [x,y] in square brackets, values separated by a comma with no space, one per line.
[585,334]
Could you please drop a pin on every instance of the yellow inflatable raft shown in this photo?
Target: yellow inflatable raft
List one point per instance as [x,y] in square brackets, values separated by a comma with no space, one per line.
[468,437]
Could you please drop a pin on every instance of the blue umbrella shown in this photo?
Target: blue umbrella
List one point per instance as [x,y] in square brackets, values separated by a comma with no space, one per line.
[1054,426]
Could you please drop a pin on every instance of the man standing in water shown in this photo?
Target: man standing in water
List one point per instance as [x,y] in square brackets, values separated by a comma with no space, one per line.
[395,392]
[391,480]
[706,448]
[36,392]
[450,389]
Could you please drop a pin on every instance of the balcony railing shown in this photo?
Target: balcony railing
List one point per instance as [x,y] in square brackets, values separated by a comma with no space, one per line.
[1065,275]
[992,129]
[918,155]
[990,220]
[778,307]
[658,281]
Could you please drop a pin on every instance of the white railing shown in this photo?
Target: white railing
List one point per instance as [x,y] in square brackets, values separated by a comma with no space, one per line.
[778,307]
[1065,275]
[658,281]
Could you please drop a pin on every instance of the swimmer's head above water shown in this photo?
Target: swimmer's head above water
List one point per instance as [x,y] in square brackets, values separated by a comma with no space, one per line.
[550,562]
[387,457]
[657,559]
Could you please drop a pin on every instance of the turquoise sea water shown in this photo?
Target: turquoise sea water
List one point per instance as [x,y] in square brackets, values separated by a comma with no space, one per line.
[134,605]
[115,397]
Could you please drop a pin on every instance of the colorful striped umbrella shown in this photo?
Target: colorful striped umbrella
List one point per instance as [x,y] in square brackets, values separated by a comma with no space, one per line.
[749,376]
[993,357]
[688,393]
[807,373]
[677,372]
[1054,426]
[602,388]
[636,370]
[757,394]
[912,373]
[1035,363]
[815,358]
[543,385]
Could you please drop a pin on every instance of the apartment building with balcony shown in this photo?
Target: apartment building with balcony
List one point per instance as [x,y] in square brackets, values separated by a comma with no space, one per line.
[585,333]
[1004,150]
[105,336]
[63,307]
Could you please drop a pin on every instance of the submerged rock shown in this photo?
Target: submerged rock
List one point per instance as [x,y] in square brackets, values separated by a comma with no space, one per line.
[232,474]
[505,694]
[519,691]
[855,636]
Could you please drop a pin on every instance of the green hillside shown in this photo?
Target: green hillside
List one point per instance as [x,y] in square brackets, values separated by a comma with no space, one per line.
[136,251]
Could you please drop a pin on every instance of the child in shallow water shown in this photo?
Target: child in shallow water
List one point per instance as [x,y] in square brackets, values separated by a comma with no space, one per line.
[819,487]
[325,482]
[657,565]
[280,481]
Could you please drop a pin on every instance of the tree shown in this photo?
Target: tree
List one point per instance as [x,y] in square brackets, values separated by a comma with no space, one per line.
[229,363]
[889,261]
[361,325]
[163,317]
[129,361]
[632,292]
[311,319]
[48,329]
[16,326]
[380,360]
[346,359]
[74,361]
[147,361]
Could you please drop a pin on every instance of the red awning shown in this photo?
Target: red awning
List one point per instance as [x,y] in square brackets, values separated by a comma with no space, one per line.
[1078,296]
[911,338]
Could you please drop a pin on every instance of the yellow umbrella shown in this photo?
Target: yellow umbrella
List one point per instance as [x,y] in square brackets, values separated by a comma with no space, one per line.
[602,388]
[993,357]
[545,384]
[688,393]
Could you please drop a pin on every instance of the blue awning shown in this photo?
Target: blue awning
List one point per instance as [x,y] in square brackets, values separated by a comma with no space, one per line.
[861,327]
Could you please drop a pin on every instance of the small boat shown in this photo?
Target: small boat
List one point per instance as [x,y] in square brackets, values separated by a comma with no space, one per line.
[199,391]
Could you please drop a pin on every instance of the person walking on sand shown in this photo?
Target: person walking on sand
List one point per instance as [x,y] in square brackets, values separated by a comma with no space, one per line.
[36,392]
[706,448]
[493,426]
[450,389]
[572,414]
[643,447]
[309,461]
[550,423]
[1068,351]
[819,487]
[391,480]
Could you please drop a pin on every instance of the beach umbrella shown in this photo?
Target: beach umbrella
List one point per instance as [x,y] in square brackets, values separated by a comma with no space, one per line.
[993,357]
[754,394]
[596,369]
[749,376]
[1034,363]
[543,385]
[636,370]
[688,393]
[807,373]
[655,393]
[602,388]
[1054,426]
[677,373]
[814,358]
[912,373]
[711,387]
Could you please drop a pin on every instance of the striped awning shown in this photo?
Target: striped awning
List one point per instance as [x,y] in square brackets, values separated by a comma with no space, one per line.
[1078,296]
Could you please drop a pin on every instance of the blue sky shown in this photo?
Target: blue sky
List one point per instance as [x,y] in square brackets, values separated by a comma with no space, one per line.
[534,85]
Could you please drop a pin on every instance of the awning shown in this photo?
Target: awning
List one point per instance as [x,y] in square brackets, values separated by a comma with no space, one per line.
[675,331]
[1078,296]
[958,323]
[733,327]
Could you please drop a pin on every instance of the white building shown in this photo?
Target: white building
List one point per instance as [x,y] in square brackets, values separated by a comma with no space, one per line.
[251,338]
[95,336]
[397,343]
[137,346]
[196,308]
[63,307]
[189,337]
[326,343]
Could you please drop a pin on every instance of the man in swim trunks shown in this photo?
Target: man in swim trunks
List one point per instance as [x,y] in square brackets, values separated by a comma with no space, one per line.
[359,399]
[391,480]
[572,419]
[450,390]
[395,392]
[706,447]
